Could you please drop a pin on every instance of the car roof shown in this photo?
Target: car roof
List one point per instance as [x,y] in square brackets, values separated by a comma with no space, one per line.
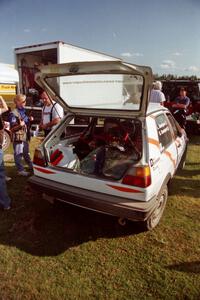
[155,107]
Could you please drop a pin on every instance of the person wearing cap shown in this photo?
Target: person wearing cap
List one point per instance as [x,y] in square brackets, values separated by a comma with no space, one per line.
[4,198]
[157,95]
[20,124]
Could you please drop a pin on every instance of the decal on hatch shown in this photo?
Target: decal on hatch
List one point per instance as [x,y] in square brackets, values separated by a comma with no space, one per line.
[44,170]
[124,189]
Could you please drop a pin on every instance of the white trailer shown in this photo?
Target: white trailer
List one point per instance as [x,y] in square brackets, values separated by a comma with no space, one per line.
[28,59]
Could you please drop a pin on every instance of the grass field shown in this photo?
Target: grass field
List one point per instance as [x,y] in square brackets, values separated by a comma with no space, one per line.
[62,252]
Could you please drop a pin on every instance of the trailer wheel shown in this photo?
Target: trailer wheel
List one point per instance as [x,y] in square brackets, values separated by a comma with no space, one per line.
[6,140]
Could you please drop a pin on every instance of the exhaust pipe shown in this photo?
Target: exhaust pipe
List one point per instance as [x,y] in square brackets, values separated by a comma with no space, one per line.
[122,221]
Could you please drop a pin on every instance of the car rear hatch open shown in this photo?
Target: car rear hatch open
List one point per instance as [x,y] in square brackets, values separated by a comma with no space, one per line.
[98,88]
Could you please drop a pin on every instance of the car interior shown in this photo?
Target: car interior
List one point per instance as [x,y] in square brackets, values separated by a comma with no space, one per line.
[106,147]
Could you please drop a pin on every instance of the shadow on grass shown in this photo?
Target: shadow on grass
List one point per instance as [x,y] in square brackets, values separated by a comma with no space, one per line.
[188,173]
[184,184]
[189,267]
[184,187]
[42,229]
[194,139]
[192,164]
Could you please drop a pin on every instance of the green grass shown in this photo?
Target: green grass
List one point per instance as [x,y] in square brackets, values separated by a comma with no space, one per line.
[62,252]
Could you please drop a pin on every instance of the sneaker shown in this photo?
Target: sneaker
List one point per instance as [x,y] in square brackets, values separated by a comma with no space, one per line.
[8,179]
[23,173]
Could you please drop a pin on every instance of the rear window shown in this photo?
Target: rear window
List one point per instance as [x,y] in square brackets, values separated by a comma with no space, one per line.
[100,91]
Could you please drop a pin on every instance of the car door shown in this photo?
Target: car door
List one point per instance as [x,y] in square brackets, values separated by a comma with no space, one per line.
[168,149]
[179,137]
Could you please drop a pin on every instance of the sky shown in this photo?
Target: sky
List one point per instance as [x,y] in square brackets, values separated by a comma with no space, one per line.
[162,34]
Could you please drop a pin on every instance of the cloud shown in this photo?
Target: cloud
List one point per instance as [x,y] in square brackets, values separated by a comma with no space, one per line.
[27,30]
[192,69]
[44,29]
[114,34]
[168,64]
[129,54]
[177,54]
[126,54]
[137,54]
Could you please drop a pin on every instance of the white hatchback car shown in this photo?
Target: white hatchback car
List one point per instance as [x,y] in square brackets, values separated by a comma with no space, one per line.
[113,152]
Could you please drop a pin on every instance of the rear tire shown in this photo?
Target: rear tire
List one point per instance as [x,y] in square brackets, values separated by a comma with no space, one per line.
[6,140]
[155,217]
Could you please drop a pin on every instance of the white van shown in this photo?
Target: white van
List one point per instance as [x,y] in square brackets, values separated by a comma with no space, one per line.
[120,155]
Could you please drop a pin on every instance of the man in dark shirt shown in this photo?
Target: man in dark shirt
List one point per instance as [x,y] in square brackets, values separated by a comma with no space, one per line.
[180,106]
[182,101]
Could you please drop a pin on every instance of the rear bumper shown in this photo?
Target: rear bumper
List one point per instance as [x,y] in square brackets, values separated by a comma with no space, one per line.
[116,206]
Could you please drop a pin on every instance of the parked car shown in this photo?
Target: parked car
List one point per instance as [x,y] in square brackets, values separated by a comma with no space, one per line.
[121,160]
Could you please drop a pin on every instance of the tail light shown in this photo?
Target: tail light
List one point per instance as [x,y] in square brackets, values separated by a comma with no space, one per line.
[138,176]
[38,158]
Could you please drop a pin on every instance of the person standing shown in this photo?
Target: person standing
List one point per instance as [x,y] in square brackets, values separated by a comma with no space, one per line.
[157,95]
[52,113]
[20,126]
[4,198]
[182,101]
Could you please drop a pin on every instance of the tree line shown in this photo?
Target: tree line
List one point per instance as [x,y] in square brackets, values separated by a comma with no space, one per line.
[174,77]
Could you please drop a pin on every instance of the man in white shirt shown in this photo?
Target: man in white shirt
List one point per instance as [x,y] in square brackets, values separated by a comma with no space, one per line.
[52,113]
[156,95]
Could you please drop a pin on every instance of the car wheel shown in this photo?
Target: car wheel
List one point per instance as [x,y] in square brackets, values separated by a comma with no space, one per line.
[6,140]
[155,217]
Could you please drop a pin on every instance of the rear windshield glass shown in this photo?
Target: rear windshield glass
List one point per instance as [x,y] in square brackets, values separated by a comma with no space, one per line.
[100,91]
